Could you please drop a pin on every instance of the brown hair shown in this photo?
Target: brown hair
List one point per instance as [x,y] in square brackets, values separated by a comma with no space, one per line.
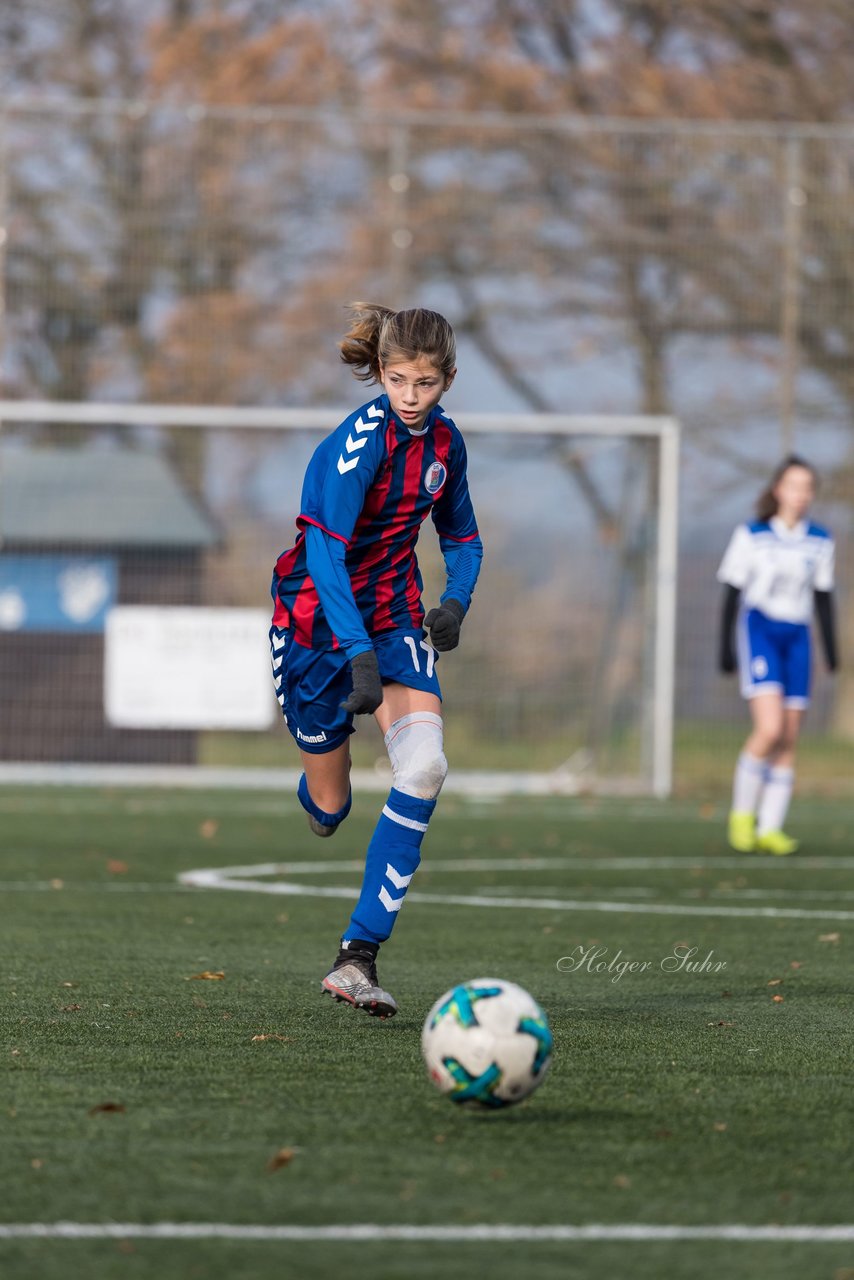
[378,336]
[766,503]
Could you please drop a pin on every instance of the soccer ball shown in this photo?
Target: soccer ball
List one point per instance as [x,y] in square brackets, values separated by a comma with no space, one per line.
[486,1043]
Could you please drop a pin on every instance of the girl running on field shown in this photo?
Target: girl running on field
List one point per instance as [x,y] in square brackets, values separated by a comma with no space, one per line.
[349,635]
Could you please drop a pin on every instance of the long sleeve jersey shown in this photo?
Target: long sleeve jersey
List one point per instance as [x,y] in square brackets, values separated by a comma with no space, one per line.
[352,572]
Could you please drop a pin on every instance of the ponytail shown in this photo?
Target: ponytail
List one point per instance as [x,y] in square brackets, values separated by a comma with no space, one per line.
[360,345]
[378,335]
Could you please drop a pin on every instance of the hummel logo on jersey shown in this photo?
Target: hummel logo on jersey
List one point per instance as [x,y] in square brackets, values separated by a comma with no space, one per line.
[311,737]
[357,440]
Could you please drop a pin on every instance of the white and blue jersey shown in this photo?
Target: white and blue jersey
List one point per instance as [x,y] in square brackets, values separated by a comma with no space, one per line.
[777,569]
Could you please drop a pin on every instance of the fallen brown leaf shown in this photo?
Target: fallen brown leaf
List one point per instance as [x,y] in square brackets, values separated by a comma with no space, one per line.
[795,964]
[828,937]
[777,999]
[207,975]
[719,1126]
[116,867]
[775,982]
[71,1008]
[622,1181]
[208,829]
[282,1157]
[273,1035]
[117,1107]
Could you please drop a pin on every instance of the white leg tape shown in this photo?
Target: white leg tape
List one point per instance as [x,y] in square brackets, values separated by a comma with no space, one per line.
[414,745]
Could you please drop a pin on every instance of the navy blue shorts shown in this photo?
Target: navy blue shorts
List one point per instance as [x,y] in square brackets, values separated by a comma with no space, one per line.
[774,657]
[311,684]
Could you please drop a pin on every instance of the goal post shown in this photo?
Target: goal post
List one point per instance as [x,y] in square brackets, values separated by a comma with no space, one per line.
[565,679]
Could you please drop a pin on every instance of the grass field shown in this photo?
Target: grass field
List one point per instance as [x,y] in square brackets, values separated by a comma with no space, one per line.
[704,752]
[137,1093]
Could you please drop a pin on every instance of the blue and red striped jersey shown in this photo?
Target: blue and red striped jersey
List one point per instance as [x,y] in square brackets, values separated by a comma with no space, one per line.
[370,485]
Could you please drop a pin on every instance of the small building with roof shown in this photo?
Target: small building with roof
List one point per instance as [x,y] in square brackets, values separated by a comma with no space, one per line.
[82,530]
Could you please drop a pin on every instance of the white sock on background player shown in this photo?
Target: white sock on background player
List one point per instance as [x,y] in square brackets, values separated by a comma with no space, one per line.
[776,795]
[750,775]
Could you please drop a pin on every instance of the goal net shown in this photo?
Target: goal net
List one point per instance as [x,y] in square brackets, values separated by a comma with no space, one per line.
[137,550]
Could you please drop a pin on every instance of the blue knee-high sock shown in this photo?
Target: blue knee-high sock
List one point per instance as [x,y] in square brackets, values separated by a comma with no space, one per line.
[328,819]
[393,855]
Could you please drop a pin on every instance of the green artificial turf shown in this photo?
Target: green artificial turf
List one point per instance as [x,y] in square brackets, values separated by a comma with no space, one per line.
[136,1092]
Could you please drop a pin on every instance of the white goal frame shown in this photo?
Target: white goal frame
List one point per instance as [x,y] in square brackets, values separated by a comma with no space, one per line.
[662,429]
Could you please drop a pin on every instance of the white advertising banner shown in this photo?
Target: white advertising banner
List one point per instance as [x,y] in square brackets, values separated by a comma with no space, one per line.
[187,668]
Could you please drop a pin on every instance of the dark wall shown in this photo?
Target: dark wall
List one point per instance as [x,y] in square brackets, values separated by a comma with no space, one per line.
[52,683]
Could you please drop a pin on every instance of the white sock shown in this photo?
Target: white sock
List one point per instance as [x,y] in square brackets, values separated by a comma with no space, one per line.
[748,783]
[775,799]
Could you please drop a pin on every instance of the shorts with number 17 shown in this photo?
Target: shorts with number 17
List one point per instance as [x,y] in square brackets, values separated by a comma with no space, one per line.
[311,684]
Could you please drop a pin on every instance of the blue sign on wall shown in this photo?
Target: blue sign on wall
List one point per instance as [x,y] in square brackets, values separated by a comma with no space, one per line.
[56,593]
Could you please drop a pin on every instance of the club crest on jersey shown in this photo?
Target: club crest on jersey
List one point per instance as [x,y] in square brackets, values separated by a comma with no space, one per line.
[434,477]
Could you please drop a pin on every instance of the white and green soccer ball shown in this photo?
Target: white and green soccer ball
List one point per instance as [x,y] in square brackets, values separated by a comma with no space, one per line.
[487,1043]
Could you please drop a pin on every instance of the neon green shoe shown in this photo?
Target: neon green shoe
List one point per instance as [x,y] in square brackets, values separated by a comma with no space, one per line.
[776,842]
[742,832]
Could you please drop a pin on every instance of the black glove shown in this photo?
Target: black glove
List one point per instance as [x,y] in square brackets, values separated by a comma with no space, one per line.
[367,686]
[444,625]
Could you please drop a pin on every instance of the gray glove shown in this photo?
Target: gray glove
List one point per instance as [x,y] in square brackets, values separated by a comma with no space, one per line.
[367,686]
[444,625]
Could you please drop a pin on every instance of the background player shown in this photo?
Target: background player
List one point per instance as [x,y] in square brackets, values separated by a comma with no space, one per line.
[776,571]
[347,636]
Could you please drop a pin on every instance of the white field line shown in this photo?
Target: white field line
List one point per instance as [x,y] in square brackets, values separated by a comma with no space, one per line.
[556,863]
[485,1233]
[496,893]
[526,864]
[483,784]
[239,879]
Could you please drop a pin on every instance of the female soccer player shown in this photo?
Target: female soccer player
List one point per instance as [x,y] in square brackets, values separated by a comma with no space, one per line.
[349,633]
[778,569]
